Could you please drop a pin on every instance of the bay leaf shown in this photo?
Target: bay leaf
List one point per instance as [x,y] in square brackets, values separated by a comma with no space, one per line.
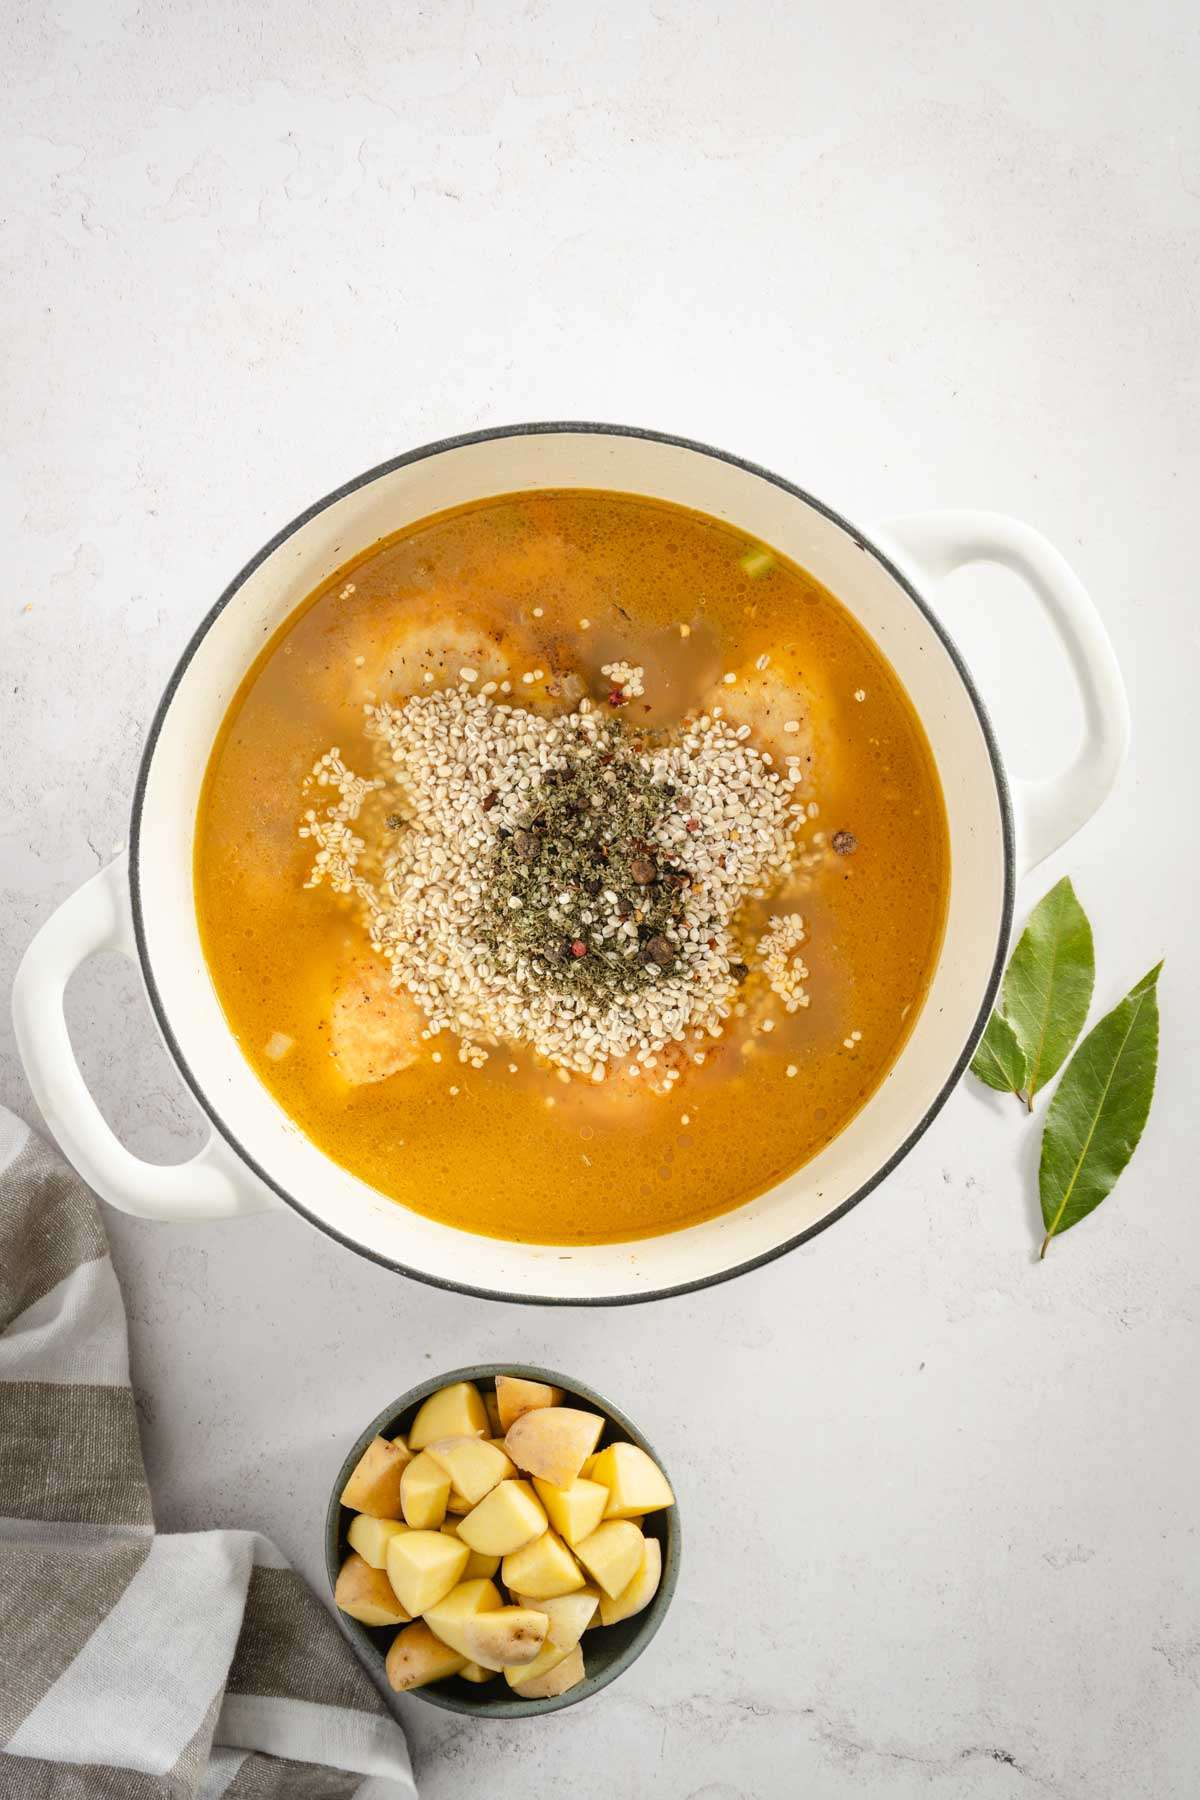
[1048,984]
[1098,1112]
[999,1059]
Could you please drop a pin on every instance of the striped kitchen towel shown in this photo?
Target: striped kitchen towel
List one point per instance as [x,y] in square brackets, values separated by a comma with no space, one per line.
[134,1665]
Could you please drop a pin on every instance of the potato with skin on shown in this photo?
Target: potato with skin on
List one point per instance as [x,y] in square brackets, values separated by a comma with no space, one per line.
[515,1395]
[641,1590]
[506,1638]
[548,1658]
[423,1566]
[473,1464]
[553,1441]
[367,1595]
[563,1670]
[492,1408]
[418,1657]
[574,1511]
[454,1610]
[374,1484]
[478,1567]
[612,1554]
[505,1520]
[454,1411]
[542,1570]
[636,1485]
[371,1537]
[569,1615]
[424,1493]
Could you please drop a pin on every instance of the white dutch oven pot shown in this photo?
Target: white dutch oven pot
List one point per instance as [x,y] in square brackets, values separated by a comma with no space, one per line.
[256,1157]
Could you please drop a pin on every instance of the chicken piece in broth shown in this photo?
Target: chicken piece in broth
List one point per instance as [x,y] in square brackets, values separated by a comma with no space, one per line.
[375,1029]
[785,718]
[428,649]
[631,1091]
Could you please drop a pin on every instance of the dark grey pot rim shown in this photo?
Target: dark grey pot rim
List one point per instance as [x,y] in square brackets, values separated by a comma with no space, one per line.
[669,1533]
[864,543]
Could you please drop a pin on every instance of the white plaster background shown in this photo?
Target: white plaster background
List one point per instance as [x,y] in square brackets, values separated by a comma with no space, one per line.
[940,1503]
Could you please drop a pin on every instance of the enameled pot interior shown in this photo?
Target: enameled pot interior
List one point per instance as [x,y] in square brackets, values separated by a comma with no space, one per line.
[181,988]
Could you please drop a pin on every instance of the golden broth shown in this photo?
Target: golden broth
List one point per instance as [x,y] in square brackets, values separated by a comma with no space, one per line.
[526,1155]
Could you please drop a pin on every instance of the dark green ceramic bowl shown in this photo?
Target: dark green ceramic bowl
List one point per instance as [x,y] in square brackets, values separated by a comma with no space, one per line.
[607,1653]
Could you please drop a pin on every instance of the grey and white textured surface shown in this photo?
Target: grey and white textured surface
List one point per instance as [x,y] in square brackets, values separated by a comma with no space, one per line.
[940,1503]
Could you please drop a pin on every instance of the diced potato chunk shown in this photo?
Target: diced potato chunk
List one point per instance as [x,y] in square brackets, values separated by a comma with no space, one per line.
[574,1511]
[636,1485]
[569,1615]
[547,1658]
[566,1673]
[423,1566]
[478,1567]
[454,1411]
[612,1554]
[515,1395]
[641,1590]
[454,1610]
[513,1547]
[424,1491]
[418,1657]
[552,1441]
[374,1486]
[505,1520]
[473,1465]
[507,1638]
[367,1595]
[542,1569]
[371,1537]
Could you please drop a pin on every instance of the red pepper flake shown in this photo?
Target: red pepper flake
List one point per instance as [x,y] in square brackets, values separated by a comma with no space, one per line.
[579,948]
[691,824]
[617,697]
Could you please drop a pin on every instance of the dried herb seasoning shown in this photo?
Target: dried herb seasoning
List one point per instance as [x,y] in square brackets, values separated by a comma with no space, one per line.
[582,859]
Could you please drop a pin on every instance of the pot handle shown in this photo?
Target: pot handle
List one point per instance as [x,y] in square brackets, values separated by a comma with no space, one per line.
[213,1184]
[1050,811]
